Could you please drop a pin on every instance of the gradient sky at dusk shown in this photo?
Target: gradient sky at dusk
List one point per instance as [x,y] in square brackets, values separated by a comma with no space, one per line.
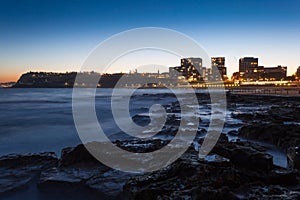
[58,35]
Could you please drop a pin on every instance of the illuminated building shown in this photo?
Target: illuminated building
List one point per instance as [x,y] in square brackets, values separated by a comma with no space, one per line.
[190,68]
[219,70]
[274,73]
[248,64]
[298,73]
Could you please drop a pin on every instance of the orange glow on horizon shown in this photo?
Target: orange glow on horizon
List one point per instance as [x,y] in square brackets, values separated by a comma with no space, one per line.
[9,78]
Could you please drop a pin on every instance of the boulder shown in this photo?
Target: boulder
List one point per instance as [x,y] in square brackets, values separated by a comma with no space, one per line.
[244,155]
[284,136]
[293,157]
[79,170]
[17,171]
[109,183]
[76,155]
[283,177]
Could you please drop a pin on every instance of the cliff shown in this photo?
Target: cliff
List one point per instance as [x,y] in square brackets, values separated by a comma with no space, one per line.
[64,80]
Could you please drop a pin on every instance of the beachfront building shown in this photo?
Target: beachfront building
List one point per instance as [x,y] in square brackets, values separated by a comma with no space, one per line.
[249,70]
[219,71]
[278,73]
[248,64]
[298,73]
[262,73]
[190,68]
[193,71]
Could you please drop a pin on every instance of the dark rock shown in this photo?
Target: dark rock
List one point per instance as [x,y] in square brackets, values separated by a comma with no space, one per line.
[293,157]
[285,113]
[208,193]
[272,192]
[38,160]
[109,183]
[78,170]
[283,177]
[233,133]
[245,116]
[18,170]
[76,155]
[216,159]
[286,137]
[68,177]
[244,155]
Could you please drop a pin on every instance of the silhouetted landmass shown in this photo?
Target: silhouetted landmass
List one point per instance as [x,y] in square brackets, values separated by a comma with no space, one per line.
[133,80]
[64,80]
[88,80]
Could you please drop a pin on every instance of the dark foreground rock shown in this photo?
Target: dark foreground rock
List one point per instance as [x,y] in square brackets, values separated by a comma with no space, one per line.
[79,170]
[267,109]
[233,170]
[18,170]
[285,136]
[246,155]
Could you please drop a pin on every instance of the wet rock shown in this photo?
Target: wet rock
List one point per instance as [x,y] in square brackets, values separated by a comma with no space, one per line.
[272,192]
[141,120]
[293,157]
[284,136]
[244,155]
[9,182]
[141,145]
[245,116]
[233,133]
[283,177]
[76,155]
[32,161]
[187,178]
[215,159]
[285,113]
[78,170]
[75,167]
[213,193]
[110,183]
[18,170]
[68,177]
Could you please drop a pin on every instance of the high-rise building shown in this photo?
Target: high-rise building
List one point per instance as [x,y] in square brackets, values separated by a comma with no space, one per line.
[190,68]
[219,71]
[195,62]
[218,61]
[298,73]
[248,64]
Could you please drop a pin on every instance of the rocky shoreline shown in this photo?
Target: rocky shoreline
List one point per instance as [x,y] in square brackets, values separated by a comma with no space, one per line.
[235,169]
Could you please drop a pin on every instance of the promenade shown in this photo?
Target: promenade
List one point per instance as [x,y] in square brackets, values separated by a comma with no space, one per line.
[282,91]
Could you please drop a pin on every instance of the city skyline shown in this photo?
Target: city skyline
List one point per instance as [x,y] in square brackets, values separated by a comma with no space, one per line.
[191,70]
[58,36]
[217,62]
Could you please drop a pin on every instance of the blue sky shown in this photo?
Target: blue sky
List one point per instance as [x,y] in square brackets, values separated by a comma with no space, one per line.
[58,35]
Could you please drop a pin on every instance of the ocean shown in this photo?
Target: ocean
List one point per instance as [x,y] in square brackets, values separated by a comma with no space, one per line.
[38,119]
[41,120]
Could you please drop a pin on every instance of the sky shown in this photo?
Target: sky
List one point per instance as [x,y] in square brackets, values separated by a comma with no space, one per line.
[59,35]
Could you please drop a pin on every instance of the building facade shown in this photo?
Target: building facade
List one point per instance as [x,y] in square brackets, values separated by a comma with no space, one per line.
[248,64]
[298,72]
[190,68]
[274,73]
[219,71]
[193,70]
